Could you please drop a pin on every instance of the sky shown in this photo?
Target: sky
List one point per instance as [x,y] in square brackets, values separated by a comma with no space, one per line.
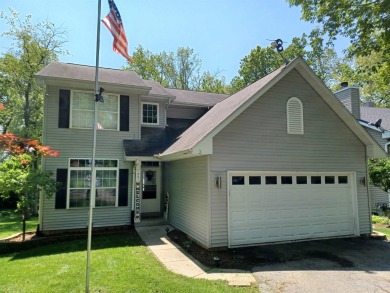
[221,32]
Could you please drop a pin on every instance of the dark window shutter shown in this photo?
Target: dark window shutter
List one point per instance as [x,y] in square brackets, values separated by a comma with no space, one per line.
[62,177]
[123,187]
[64,109]
[124,114]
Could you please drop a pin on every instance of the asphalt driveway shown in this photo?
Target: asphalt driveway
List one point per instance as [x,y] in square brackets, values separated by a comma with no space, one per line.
[338,265]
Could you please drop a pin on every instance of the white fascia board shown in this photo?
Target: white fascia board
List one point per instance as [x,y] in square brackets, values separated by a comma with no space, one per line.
[179,156]
[369,126]
[143,159]
[386,134]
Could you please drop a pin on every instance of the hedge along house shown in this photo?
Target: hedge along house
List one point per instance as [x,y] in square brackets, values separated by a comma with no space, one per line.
[280,160]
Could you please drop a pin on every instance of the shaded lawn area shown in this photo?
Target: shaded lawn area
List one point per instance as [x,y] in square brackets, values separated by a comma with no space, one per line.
[11,224]
[119,263]
[383,230]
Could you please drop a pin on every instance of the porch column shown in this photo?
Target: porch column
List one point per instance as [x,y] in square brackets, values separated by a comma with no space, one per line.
[137,191]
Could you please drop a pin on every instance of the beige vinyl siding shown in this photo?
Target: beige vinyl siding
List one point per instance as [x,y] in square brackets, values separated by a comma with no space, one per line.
[350,99]
[378,196]
[77,143]
[60,219]
[257,140]
[377,135]
[188,185]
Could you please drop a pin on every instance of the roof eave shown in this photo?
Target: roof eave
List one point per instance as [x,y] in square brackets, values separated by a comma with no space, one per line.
[373,149]
[61,81]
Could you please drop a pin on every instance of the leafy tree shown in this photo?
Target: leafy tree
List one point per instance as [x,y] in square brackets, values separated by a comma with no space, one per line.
[262,61]
[211,83]
[34,46]
[374,84]
[19,173]
[175,70]
[367,25]
[379,171]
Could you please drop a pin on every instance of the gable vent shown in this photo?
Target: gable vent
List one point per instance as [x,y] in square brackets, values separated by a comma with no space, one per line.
[294,116]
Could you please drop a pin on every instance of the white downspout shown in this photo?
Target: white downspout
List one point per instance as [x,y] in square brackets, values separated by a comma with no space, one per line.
[369,195]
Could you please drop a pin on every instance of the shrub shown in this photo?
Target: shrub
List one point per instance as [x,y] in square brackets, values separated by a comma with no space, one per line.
[380,220]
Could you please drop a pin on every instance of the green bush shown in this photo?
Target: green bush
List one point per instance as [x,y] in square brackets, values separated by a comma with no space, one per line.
[380,220]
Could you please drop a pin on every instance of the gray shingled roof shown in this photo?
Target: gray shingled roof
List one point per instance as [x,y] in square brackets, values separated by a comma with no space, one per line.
[155,140]
[87,73]
[196,98]
[221,111]
[157,89]
[373,114]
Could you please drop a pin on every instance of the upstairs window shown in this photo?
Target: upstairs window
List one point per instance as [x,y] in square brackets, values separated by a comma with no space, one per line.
[150,113]
[294,116]
[83,111]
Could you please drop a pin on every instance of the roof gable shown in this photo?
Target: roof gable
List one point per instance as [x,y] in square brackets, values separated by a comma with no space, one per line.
[202,132]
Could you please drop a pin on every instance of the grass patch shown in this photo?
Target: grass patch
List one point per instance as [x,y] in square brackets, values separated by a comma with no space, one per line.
[384,231]
[11,223]
[119,263]
[380,220]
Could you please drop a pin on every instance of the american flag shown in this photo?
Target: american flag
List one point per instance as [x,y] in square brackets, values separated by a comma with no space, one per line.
[113,22]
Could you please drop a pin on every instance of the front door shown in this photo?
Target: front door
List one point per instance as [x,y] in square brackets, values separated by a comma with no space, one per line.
[150,191]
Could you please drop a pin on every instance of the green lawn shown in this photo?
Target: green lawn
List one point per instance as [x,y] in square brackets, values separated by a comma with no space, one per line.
[11,223]
[384,231]
[381,220]
[119,263]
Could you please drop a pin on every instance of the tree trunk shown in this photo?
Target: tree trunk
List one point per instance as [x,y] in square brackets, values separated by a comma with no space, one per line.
[24,223]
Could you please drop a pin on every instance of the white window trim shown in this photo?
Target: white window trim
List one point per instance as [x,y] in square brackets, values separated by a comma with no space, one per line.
[70,168]
[142,114]
[289,128]
[88,92]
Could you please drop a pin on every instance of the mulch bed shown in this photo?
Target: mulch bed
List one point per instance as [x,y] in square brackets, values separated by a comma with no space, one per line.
[249,257]
[226,259]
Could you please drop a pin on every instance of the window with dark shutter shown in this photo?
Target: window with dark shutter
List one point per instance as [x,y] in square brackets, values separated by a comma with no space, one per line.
[60,200]
[124,114]
[64,109]
[123,193]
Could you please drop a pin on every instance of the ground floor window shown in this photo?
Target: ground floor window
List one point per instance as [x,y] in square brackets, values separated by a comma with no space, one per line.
[80,183]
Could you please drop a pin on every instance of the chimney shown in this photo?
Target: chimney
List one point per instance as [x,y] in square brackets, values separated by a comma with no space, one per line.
[349,96]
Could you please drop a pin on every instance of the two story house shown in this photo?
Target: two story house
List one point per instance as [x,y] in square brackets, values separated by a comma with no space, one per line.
[280,160]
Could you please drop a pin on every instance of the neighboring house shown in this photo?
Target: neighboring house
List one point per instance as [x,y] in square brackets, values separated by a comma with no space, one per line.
[280,160]
[377,122]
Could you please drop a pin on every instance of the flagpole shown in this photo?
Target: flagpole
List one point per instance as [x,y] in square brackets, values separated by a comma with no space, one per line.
[93,173]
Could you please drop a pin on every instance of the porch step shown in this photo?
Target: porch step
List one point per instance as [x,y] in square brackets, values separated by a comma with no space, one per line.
[151,222]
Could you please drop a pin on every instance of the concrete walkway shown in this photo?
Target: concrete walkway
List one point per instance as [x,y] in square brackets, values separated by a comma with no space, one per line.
[175,259]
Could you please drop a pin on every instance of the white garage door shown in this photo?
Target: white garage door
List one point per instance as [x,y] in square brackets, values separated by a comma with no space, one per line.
[274,207]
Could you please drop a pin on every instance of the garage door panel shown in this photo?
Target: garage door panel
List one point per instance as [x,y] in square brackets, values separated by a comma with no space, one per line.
[271,213]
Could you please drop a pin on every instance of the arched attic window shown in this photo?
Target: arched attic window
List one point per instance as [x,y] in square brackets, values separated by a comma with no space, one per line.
[294,116]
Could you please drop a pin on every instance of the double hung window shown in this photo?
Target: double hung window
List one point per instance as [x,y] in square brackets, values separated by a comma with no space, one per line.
[80,183]
[150,113]
[82,111]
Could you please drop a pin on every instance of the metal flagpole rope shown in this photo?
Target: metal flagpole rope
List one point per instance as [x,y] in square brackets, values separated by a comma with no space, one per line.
[97,97]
